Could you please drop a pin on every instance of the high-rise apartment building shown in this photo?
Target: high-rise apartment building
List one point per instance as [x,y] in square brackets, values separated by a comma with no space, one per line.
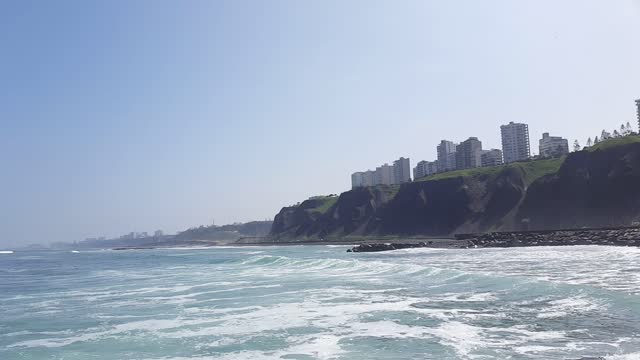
[401,171]
[420,170]
[515,142]
[451,161]
[384,175]
[468,154]
[432,167]
[446,159]
[356,180]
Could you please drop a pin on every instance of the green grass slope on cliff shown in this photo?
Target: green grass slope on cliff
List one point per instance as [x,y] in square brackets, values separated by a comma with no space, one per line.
[611,143]
[389,191]
[324,203]
[532,170]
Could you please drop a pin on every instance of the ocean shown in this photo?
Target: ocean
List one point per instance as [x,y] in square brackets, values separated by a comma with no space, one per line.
[319,302]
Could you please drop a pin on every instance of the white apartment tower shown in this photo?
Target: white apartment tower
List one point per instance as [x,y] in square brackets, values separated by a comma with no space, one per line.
[356,180]
[468,154]
[515,142]
[420,170]
[384,175]
[401,171]
[446,159]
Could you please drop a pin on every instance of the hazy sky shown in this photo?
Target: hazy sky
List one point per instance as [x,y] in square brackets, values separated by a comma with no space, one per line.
[121,116]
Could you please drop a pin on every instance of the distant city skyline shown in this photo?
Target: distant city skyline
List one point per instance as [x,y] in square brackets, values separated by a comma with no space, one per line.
[118,116]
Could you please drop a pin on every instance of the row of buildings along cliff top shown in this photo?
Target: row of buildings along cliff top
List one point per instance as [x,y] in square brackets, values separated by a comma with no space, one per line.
[398,173]
[469,153]
[465,155]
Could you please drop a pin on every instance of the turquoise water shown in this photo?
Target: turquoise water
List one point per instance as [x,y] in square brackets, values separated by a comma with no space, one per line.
[319,302]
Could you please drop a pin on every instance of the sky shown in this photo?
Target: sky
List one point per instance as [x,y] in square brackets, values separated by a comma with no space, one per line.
[120,116]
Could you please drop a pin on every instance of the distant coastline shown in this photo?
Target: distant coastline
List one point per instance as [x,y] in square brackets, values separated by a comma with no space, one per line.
[622,236]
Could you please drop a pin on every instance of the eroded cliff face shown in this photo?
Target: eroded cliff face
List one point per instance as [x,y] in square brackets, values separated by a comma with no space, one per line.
[439,207]
[443,207]
[590,189]
[352,213]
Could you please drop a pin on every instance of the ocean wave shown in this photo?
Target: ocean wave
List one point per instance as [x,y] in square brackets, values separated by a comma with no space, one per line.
[330,266]
[570,306]
[630,356]
[153,325]
[307,303]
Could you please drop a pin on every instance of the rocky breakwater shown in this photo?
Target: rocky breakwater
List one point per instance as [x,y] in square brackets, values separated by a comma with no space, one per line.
[435,244]
[385,247]
[608,237]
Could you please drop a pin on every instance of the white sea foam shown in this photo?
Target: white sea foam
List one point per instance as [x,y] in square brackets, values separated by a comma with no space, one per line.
[18,333]
[6,252]
[631,356]
[96,333]
[343,320]
[534,349]
[320,347]
[570,305]
[489,303]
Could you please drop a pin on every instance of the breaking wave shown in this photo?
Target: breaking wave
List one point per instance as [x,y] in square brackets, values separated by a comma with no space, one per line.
[322,303]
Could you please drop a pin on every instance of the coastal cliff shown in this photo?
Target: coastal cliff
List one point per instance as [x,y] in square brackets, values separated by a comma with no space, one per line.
[597,187]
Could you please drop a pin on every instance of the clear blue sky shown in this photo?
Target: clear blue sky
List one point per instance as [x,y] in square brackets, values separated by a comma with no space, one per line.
[121,116]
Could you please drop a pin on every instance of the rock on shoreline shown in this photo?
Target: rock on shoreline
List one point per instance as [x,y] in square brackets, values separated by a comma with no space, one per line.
[385,247]
[607,237]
